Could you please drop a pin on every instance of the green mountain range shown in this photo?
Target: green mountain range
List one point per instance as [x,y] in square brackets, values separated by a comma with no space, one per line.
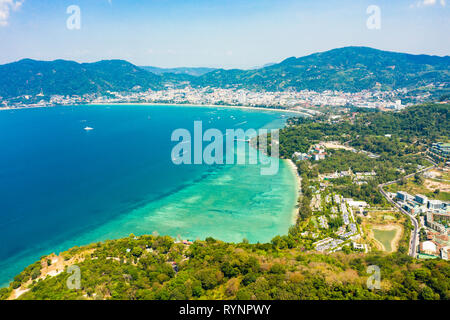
[348,69]
[189,71]
[30,77]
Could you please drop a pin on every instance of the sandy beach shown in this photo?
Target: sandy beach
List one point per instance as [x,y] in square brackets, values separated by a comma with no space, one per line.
[298,185]
[202,106]
[168,104]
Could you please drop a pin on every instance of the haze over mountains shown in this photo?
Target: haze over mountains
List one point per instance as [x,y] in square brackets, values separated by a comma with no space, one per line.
[183,70]
[348,69]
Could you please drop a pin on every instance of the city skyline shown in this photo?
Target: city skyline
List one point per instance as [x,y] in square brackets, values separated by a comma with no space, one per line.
[235,34]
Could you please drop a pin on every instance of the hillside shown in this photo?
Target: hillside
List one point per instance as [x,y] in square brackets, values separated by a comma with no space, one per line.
[30,77]
[349,69]
[183,70]
[156,268]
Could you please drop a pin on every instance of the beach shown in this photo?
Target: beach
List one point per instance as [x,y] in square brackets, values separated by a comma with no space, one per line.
[248,108]
[298,186]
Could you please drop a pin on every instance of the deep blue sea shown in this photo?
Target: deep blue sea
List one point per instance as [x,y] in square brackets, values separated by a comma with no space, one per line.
[62,186]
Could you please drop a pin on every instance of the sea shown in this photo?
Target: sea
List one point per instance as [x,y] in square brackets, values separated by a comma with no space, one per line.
[63,186]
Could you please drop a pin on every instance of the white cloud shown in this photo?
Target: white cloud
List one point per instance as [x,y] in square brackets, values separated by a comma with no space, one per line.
[6,6]
[429,3]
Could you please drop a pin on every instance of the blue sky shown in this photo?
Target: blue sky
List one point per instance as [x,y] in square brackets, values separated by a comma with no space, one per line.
[212,33]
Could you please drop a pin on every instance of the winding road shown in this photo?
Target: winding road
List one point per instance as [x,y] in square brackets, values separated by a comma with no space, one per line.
[415,234]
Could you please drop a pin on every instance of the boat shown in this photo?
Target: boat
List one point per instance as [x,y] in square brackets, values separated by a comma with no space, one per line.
[88,128]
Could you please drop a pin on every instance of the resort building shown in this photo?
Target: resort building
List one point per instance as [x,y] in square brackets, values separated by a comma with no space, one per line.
[428,247]
[442,216]
[421,199]
[316,153]
[301,156]
[412,208]
[403,196]
[435,205]
[435,225]
[357,204]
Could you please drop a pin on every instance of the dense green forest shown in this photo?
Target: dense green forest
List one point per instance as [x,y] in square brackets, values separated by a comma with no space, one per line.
[408,129]
[150,267]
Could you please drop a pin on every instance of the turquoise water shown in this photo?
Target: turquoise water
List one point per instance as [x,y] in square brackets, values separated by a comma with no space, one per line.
[62,186]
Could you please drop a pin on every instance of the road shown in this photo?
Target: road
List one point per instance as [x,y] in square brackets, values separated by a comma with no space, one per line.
[415,234]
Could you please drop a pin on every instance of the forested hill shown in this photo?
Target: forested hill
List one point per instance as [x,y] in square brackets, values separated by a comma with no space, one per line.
[186,71]
[148,267]
[429,121]
[30,77]
[422,124]
[348,69]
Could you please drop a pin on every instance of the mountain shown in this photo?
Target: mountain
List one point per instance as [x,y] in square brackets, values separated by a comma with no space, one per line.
[187,71]
[30,77]
[348,69]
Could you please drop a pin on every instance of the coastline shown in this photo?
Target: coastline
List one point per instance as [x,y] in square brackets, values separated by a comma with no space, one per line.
[167,104]
[290,163]
[298,185]
[199,106]
[288,217]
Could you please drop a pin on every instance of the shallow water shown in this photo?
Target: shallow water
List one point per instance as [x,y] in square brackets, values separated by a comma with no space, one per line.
[62,186]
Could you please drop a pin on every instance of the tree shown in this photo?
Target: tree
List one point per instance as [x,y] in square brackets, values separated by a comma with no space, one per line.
[137,252]
[418,178]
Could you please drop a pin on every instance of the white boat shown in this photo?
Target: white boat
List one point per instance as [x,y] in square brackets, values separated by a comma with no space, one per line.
[88,128]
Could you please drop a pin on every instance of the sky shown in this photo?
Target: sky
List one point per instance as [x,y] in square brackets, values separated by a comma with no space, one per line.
[216,33]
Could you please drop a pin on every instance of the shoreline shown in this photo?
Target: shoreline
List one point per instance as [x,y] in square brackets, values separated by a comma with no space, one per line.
[297,180]
[167,104]
[199,106]
[298,184]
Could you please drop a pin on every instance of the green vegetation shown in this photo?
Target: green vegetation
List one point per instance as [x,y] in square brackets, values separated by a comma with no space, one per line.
[143,268]
[348,69]
[29,77]
[414,186]
[400,153]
